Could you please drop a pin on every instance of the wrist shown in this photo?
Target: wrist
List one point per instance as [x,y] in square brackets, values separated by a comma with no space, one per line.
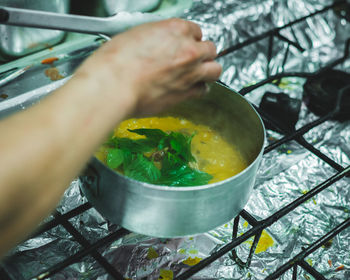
[108,95]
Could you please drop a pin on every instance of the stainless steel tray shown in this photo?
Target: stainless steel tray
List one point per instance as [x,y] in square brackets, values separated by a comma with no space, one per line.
[23,82]
[19,41]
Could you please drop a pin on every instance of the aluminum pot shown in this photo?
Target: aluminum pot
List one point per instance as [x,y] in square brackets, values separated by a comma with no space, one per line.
[163,211]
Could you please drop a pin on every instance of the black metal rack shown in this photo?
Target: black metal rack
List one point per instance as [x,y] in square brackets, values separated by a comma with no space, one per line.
[256,226]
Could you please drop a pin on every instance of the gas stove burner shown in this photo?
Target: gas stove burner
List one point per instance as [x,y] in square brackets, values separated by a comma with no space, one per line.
[343,9]
[321,92]
[282,108]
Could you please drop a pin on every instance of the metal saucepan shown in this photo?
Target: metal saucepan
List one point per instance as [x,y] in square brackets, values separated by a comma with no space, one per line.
[163,211]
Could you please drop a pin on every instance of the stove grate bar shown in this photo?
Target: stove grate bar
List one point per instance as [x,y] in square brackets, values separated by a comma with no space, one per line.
[321,155]
[253,222]
[272,78]
[308,268]
[281,75]
[85,243]
[63,217]
[299,259]
[296,135]
[275,31]
[83,253]
[294,44]
[269,54]
[266,223]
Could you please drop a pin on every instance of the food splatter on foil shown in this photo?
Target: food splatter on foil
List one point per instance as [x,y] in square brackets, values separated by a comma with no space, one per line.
[285,174]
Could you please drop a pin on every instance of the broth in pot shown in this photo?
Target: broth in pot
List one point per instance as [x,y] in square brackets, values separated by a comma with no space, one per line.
[212,153]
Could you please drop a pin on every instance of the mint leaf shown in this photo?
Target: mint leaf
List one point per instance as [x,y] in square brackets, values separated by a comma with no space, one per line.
[111,142]
[151,133]
[115,158]
[171,162]
[181,144]
[184,176]
[175,148]
[135,146]
[153,136]
[142,169]
[163,143]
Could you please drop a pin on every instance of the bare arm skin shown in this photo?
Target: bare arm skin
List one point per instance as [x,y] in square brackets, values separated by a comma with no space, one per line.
[43,148]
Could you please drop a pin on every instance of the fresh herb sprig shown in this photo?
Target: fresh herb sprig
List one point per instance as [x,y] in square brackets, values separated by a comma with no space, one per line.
[167,163]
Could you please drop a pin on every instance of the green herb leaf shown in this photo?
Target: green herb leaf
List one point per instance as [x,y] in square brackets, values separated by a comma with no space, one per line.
[182,145]
[171,162]
[135,146]
[140,168]
[154,135]
[111,142]
[175,170]
[115,158]
[184,176]
[163,143]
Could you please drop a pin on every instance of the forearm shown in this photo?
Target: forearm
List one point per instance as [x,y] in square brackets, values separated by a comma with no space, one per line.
[62,133]
[42,149]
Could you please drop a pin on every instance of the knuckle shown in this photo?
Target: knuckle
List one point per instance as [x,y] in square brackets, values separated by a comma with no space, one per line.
[211,47]
[191,53]
[188,55]
[180,25]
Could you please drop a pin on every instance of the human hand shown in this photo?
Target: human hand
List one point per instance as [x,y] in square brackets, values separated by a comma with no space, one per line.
[153,66]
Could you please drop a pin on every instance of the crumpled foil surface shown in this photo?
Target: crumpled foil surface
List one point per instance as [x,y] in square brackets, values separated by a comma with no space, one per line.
[285,173]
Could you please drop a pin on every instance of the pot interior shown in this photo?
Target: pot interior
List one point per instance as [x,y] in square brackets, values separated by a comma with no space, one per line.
[229,114]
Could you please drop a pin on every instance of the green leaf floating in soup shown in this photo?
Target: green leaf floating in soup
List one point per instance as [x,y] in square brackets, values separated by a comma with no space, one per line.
[171,152]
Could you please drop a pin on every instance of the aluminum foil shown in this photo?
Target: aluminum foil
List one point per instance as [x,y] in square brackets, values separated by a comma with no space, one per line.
[285,173]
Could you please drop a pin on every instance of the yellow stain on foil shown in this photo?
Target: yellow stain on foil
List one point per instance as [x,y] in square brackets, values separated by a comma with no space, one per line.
[193,251]
[309,261]
[289,152]
[283,84]
[250,84]
[192,261]
[313,199]
[245,224]
[152,254]
[226,225]
[264,243]
[182,251]
[165,274]
[221,163]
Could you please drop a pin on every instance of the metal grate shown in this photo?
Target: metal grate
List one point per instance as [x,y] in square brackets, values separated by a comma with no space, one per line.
[91,249]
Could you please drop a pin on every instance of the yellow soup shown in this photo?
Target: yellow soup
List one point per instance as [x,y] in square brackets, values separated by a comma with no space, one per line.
[213,154]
